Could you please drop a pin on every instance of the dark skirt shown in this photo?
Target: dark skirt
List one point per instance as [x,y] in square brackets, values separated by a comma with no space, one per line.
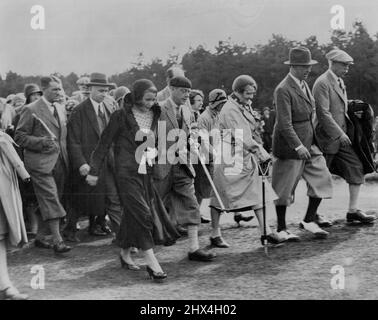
[145,221]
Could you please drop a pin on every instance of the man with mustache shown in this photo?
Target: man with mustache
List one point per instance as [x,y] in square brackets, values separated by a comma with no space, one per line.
[294,146]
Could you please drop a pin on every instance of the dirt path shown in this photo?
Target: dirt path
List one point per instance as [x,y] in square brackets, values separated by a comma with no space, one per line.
[294,271]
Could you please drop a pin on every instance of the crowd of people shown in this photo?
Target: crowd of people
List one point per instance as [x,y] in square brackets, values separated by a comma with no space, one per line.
[123,158]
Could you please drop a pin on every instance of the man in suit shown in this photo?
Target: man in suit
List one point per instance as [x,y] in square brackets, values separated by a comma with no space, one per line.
[85,126]
[174,174]
[294,146]
[333,122]
[41,132]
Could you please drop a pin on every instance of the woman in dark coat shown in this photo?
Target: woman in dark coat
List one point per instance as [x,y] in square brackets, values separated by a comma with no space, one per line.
[145,221]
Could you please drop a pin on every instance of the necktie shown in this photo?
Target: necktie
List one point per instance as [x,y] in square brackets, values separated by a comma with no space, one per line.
[341,85]
[55,114]
[101,118]
[179,116]
[304,89]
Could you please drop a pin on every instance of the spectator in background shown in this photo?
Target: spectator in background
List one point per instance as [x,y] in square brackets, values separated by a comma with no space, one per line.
[269,118]
[375,137]
[6,113]
[120,93]
[175,71]
[196,103]
[83,92]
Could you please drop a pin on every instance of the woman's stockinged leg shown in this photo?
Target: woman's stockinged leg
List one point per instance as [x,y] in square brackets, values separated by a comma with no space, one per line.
[4,276]
[151,260]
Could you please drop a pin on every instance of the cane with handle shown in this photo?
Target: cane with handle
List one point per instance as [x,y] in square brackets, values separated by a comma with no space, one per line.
[195,147]
[264,168]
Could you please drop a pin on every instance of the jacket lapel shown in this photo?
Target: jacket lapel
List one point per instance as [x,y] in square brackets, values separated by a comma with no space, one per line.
[91,115]
[336,87]
[45,114]
[171,114]
[298,90]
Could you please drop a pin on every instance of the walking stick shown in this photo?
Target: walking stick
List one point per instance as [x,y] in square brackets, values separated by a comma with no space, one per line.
[195,146]
[264,168]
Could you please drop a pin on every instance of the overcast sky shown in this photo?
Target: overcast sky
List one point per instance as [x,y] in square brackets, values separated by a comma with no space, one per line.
[106,36]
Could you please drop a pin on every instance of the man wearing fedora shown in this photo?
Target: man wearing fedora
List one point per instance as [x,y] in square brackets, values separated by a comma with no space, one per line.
[333,122]
[42,132]
[294,146]
[85,126]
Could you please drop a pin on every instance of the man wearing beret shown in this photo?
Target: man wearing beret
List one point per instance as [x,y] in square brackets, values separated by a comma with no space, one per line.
[175,179]
[333,121]
[294,146]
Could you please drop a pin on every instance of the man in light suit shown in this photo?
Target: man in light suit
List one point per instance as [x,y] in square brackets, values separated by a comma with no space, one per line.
[175,180]
[332,128]
[41,132]
[85,126]
[294,146]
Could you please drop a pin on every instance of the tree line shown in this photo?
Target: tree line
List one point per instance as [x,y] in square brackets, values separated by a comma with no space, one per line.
[217,67]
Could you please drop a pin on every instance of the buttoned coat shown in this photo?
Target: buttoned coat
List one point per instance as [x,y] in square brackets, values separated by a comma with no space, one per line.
[83,134]
[295,113]
[331,109]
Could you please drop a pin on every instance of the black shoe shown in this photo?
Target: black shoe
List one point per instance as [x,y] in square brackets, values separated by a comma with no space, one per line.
[61,247]
[201,255]
[42,244]
[219,242]
[97,232]
[360,216]
[322,222]
[182,231]
[156,276]
[205,220]
[240,217]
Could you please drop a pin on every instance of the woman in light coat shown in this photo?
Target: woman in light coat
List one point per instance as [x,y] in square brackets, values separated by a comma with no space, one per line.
[12,228]
[236,172]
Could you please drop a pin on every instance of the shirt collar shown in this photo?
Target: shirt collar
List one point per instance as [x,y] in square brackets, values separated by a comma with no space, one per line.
[335,76]
[95,105]
[47,102]
[297,81]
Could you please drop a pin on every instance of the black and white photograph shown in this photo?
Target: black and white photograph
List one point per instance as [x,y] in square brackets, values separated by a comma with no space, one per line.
[203,151]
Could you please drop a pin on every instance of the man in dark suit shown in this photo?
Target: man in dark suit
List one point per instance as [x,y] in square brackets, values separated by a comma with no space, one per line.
[41,132]
[174,174]
[294,146]
[85,126]
[333,122]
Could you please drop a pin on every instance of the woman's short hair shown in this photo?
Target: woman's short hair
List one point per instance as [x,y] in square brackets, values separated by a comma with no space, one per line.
[139,87]
[241,82]
[194,93]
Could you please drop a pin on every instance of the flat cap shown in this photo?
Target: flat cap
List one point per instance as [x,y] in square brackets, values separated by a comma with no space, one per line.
[338,55]
[180,82]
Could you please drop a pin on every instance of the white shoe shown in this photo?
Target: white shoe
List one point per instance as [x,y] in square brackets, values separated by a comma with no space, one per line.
[314,229]
[287,235]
